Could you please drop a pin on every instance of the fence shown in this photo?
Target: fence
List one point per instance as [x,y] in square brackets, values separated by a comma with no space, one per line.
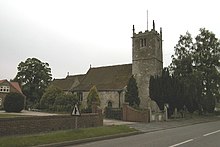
[113,113]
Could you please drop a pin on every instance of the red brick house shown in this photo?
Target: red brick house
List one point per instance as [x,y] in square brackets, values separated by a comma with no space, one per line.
[7,87]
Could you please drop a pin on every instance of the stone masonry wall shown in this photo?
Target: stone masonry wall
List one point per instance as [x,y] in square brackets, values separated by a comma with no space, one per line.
[38,124]
[105,97]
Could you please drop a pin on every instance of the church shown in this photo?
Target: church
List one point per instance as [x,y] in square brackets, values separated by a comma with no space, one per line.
[111,81]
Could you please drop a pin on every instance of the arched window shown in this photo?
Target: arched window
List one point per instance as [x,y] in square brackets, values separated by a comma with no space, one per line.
[110,104]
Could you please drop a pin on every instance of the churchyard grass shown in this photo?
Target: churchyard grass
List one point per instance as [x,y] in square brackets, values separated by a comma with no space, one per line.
[61,136]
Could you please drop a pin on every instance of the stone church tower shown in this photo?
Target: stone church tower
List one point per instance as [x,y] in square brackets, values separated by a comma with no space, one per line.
[147,60]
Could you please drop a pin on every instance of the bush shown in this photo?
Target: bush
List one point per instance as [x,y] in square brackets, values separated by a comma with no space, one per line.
[49,97]
[14,102]
[93,97]
[65,103]
[55,100]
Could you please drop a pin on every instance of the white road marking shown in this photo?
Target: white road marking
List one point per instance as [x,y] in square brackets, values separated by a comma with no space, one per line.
[211,133]
[181,143]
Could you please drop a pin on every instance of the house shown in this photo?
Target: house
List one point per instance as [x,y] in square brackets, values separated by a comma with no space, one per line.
[7,87]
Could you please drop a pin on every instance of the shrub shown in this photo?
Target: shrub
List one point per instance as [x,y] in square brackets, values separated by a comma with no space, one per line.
[93,97]
[54,99]
[65,103]
[50,96]
[14,102]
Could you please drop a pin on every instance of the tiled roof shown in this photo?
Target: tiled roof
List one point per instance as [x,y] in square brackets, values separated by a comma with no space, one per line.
[67,83]
[1,81]
[14,84]
[106,78]
[72,77]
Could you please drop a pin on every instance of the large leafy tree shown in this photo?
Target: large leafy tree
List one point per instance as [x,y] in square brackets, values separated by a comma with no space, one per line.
[194,63]
[131,95]
[34,76]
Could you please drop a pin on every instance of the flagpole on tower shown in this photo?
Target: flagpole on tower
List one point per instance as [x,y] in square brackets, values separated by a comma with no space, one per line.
[147,19]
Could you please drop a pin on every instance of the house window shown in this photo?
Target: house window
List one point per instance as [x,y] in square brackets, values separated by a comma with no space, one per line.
[5,89]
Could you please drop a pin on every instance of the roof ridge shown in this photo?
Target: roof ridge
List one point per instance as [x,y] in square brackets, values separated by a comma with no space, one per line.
[107,66]
[75,75]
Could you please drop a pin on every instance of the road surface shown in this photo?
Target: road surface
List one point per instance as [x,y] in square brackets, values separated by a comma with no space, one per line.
[199,135]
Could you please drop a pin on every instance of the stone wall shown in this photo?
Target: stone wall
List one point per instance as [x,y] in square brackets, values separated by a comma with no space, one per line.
[38,124]
[131,114]
[105,97]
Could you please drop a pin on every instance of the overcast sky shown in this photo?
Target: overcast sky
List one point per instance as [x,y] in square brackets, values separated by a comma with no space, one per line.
[72,34]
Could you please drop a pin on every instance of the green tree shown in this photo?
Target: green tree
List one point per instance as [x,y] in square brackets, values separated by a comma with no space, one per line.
[167,89]
[93,97]
[34,76]
[50,95]
[14,102]
[54,99]
[131,95]
[65,102]
[206,54]
[194,63]
[182,60]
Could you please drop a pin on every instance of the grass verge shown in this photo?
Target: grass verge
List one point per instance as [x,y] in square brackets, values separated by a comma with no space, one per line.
[9,115]
[61,136]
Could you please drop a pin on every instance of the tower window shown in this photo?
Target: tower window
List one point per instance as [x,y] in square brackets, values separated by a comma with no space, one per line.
[143,42]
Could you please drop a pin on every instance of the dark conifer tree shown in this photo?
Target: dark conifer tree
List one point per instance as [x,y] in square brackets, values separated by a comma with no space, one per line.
[131,95]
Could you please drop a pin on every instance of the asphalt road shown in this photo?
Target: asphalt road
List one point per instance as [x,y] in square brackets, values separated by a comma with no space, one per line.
[199,135]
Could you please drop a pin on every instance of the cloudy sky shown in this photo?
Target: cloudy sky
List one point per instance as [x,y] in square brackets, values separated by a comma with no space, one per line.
[72,34]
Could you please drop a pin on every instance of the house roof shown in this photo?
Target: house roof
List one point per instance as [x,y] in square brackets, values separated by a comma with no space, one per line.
[67,83]
[106,78]
[14,84]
